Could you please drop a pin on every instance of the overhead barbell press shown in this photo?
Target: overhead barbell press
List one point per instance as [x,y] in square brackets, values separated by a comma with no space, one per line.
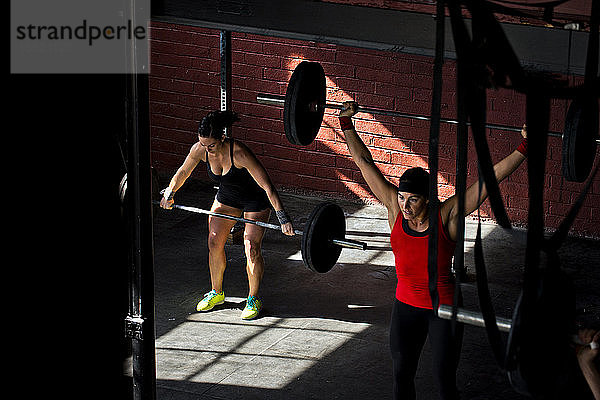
[305,102]
[322,240]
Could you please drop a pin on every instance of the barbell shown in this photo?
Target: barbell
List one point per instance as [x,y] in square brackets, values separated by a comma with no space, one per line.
[305,102]
[322,239]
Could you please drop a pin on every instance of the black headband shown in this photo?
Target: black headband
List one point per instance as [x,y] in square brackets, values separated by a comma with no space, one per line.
[415,180]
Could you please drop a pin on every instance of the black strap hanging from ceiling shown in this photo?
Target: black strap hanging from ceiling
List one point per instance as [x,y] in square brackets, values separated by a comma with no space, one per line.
[462,139]
[434,133]
[473,61]
[545,289]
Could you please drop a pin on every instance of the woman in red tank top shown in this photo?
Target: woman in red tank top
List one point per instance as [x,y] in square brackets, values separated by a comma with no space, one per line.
[413,319]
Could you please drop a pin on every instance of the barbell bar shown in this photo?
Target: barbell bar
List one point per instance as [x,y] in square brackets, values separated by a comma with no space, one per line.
[277,100]
[472,317]
[348,243]
[322,239]
[305,102]
[475,318]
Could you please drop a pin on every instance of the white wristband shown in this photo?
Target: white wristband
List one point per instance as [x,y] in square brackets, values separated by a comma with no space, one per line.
[594,345]
[168,193]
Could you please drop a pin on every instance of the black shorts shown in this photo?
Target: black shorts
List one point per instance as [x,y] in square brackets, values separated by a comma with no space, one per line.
[248,202]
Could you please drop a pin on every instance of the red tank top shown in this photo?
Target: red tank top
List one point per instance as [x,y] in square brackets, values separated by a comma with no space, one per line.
[410,251]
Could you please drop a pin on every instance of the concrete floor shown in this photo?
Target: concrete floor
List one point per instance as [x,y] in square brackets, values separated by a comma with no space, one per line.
[320,336]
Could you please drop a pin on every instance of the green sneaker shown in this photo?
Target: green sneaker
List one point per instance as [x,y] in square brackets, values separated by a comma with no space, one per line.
[253,306]
[210,300]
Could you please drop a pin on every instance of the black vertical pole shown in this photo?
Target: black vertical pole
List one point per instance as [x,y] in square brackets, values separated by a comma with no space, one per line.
[140,321]
[225,53]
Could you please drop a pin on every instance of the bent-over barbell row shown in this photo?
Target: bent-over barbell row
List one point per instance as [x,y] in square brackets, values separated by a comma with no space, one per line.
[322,240]
[305,102]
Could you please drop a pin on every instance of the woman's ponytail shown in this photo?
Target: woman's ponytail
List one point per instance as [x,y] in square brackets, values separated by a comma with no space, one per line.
[214,124]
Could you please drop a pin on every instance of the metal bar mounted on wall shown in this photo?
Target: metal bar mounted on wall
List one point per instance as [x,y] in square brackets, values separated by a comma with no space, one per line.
[225,54]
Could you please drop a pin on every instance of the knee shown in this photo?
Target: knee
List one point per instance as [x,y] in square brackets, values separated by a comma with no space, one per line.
[215,241]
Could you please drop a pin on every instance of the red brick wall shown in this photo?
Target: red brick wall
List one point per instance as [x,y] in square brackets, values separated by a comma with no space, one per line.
[184,86]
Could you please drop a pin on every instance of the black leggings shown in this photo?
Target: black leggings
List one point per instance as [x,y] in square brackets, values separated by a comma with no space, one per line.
[408,331]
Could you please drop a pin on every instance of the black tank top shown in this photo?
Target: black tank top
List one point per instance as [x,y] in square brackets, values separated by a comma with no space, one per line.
[237,180]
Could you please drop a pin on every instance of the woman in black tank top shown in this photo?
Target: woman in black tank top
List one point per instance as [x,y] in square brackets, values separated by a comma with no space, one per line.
[245,189]
[237,188]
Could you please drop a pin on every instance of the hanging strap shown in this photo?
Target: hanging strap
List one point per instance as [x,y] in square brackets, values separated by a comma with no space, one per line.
[555,241]
[462,142]
[537,121]
[434,134]
[485,300]
[538,114]
[471,102]
[471,60]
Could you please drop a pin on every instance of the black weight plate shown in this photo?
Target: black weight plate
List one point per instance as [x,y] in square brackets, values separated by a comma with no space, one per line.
[579,139]
[326,222]
[306,86]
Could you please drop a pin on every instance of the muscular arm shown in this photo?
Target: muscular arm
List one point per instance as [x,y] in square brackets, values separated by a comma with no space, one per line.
[383,190]
[586,356]
[195,155]
[592,377]
[243,157]
[473,198]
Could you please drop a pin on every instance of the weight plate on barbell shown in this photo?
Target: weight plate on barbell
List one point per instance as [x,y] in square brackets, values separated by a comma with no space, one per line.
[326,222]
[306,89]
[579,139]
